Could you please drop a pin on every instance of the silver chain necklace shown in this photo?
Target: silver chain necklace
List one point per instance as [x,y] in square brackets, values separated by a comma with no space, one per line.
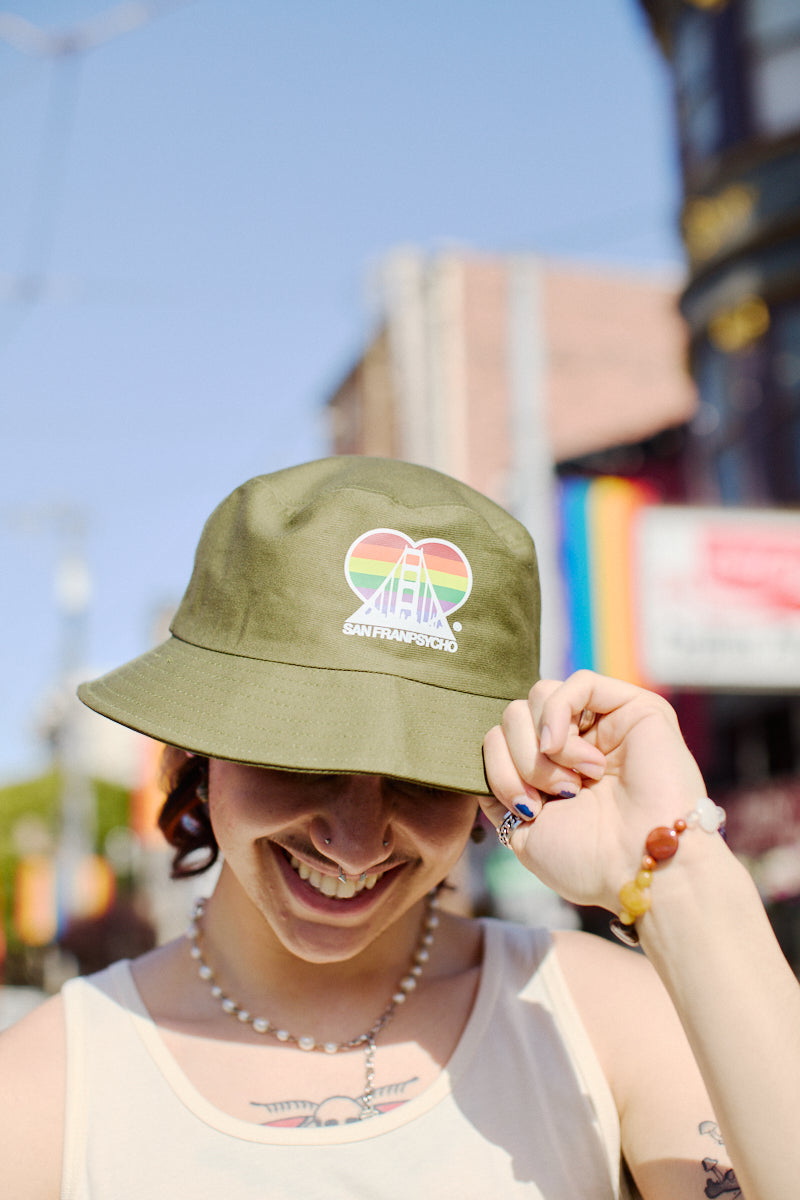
[306,1042]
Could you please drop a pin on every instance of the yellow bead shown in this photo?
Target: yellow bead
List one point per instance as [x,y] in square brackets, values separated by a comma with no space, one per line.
[634,900]
[644,879]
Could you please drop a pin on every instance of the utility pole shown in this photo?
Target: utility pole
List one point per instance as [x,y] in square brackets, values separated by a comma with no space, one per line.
[78,807]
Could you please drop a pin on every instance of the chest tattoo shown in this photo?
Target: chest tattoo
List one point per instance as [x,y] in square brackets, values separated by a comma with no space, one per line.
[333,1110]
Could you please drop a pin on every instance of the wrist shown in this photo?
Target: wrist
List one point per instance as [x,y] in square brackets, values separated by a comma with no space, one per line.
[660,850]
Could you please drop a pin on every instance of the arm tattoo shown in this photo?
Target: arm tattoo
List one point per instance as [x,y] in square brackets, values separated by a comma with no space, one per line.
[720,1181]
[333,1110]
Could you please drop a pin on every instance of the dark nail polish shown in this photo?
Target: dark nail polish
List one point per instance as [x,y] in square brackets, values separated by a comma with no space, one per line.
[567,794]
[524,811]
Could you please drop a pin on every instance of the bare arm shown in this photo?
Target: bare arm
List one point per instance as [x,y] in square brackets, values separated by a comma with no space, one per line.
[32,1071]
[670,1136]
[710,941]
[706,933]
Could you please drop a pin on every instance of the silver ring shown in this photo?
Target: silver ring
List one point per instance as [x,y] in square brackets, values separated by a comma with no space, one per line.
[506,827]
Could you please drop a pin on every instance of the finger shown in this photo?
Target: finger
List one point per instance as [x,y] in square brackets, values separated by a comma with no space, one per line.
[559,768]
[510,790]
[581,701]
[534,767]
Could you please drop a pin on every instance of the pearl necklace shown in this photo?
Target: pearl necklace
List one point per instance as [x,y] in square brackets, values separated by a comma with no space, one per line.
[367,1040]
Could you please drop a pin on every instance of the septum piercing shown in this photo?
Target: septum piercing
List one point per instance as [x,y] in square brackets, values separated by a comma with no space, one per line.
[343,877]
[363,875]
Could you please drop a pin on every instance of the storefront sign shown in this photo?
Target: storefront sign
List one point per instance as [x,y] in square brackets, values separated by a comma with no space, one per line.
[719,594]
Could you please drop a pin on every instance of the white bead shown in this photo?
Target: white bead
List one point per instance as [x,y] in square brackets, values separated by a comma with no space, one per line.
[307,1043]
[710,815]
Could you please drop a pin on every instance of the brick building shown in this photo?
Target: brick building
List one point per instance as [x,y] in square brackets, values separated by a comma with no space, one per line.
[466,340]
[509,372]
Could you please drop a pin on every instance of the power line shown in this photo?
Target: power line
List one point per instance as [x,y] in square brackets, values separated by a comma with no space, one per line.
[124,18]
[65,50]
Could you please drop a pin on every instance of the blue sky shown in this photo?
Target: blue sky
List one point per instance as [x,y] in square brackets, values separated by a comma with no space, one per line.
[199,202]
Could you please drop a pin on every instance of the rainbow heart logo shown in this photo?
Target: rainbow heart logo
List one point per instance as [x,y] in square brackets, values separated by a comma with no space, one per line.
[405,584]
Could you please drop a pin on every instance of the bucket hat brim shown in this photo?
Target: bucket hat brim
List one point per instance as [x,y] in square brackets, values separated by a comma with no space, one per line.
[300,718]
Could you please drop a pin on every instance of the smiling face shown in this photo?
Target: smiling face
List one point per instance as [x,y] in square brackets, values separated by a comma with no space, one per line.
[285,836]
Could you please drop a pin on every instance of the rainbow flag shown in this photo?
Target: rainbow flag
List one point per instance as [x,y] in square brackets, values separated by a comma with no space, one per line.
[597,522]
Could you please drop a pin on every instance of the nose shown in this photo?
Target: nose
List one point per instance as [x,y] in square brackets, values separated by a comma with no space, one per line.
[354,825]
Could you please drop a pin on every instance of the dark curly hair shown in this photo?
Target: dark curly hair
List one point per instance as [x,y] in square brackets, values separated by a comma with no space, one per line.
[184,818]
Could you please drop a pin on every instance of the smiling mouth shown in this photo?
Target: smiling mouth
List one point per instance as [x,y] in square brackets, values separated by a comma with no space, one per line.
[329,885]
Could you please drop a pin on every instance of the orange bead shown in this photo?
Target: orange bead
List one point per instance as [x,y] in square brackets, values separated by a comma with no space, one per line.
[648,863]
[661,843]
[634,900]
[680,825]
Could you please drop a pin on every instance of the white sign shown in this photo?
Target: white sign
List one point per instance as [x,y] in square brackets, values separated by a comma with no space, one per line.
[719,597]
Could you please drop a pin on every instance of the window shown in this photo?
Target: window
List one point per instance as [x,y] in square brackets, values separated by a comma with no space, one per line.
[747,430]
[785,439]
[772,34]
[699,97]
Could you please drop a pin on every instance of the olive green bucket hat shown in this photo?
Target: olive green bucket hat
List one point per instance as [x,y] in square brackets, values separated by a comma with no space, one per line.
[353,615]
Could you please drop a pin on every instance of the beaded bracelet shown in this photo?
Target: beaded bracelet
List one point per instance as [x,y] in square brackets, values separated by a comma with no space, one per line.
[660,846]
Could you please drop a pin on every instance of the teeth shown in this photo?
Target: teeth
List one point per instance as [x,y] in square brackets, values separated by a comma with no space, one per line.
[329,885]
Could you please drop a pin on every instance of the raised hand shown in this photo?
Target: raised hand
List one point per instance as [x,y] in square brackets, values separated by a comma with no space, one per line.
[591,764]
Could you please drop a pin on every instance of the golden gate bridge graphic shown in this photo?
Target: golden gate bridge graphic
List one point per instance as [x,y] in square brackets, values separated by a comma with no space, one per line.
[406,599]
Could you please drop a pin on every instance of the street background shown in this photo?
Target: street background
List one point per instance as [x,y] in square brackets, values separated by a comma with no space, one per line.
[190,214]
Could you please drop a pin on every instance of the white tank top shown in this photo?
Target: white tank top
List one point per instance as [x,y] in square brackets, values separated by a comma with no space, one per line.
[521,1110]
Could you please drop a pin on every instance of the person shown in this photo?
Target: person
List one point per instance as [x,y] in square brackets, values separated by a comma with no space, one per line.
[351,675]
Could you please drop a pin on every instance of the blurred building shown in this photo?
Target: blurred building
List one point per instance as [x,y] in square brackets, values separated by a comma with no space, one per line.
[513,373]
[472,350]
[735,67]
